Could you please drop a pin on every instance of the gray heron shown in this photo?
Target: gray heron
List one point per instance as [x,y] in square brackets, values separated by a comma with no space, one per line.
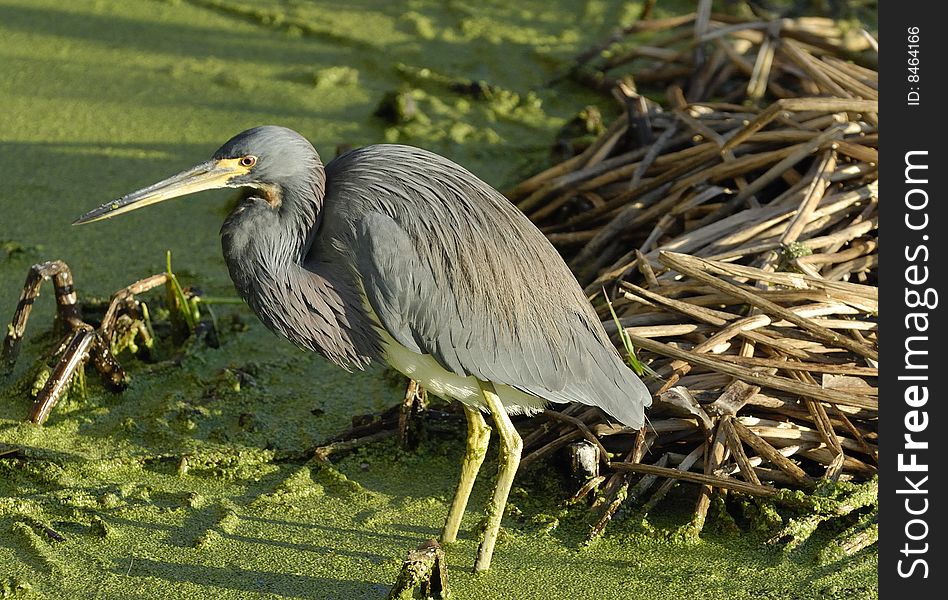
[394,253]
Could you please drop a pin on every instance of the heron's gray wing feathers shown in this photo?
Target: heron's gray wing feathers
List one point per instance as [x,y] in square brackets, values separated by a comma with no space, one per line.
[392,275]
[453,270]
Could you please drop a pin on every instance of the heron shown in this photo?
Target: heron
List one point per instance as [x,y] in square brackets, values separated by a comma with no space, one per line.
[393,253]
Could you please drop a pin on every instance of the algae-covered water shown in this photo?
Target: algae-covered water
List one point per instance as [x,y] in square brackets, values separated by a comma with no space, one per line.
[194,483]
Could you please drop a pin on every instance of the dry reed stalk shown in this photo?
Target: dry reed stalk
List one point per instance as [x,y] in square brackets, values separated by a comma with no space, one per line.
[718,482]
[738,229]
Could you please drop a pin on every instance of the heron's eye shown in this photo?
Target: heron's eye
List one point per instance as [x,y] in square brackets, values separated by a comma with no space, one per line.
[248,161]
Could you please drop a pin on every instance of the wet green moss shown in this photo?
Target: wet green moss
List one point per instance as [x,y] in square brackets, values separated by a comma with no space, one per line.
[195,481]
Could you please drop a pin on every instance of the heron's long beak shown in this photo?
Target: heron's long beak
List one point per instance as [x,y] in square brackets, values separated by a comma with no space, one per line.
[208,175]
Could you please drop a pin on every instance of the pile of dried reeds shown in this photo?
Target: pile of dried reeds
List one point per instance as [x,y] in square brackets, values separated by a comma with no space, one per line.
[737,238]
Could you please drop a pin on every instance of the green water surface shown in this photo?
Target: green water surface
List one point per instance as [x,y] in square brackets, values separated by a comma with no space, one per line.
[194,483]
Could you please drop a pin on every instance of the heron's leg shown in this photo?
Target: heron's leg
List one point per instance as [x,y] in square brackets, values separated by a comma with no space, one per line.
[510,447]
[478,435]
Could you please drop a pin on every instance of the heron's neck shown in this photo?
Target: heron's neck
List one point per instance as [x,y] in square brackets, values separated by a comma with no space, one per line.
[316,305]
[300,205]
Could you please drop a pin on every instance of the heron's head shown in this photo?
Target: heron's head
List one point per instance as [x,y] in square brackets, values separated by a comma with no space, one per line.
[269,158]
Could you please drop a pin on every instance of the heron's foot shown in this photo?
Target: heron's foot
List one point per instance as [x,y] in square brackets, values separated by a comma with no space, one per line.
[424,572]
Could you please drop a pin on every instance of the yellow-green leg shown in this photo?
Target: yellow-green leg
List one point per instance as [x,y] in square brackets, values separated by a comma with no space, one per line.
[510,447]
[478,435]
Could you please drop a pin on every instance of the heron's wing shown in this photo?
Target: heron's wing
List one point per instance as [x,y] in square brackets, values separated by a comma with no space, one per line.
[541,338]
